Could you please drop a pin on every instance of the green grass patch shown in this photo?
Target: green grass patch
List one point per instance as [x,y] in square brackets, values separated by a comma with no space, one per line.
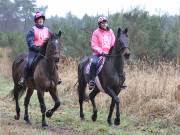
[5,85]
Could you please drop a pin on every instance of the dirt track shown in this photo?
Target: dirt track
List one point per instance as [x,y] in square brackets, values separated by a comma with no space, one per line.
[10,126]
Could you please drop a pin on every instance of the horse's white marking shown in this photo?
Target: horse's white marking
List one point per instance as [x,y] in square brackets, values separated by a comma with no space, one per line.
[99,84]
[56,41]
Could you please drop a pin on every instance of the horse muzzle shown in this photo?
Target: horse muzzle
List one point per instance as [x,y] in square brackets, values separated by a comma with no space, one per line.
[126,53]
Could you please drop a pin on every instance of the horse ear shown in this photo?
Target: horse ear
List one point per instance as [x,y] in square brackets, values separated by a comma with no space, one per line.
[59,33]
[119,32]
[126,30]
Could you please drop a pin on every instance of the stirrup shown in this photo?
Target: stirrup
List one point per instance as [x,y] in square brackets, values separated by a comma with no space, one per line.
[123,86]
[91,84]
[59,82]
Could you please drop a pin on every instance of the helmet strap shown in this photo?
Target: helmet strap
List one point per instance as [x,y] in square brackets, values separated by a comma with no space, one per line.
[107,28]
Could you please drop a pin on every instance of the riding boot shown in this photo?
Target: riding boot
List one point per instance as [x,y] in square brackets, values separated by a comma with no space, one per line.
[123,86]
[92,77]
[60,81]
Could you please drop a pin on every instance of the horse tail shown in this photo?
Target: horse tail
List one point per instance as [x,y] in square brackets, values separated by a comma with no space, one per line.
[18,64]
[17,92]
[82,82]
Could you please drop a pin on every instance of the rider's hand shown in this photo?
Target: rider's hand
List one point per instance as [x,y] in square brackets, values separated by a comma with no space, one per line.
[45,40]
[37,48]
[103,54]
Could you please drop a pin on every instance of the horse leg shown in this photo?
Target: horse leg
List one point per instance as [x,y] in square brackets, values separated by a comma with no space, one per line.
[43,108]
[92,96]
[81,93]
[111,111]
[117,119]
[26,103]
[16,98]
[114,96]
[54,95]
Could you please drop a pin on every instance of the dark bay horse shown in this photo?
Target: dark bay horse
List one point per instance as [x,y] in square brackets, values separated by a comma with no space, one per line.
[44,79]
[111,77]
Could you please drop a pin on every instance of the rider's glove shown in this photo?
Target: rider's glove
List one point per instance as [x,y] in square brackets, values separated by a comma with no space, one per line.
[37,48]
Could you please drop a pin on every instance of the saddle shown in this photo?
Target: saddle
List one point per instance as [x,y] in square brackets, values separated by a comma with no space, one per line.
[99,67]
[33,65]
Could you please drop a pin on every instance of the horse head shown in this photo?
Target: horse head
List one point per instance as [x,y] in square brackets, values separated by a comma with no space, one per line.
[53,47]
[122,42]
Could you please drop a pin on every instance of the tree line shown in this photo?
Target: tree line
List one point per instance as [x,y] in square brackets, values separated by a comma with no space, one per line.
[154,37]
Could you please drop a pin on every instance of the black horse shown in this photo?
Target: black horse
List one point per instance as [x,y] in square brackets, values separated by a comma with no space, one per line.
[44,79]
[111,77]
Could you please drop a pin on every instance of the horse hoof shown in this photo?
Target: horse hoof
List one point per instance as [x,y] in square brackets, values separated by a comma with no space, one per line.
[109,122]
[82,116]
[45,126]
[16,117]
[116,121]
[27,120]
[94,117]
[49,113]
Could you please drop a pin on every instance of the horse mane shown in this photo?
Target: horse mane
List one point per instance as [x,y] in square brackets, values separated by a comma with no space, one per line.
[115,43]
[110,51]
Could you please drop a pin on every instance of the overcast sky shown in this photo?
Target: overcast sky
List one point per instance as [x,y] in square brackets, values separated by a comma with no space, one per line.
[94,7]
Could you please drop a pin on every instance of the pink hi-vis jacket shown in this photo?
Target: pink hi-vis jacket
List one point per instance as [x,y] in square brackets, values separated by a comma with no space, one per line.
[102,41]
[40,35]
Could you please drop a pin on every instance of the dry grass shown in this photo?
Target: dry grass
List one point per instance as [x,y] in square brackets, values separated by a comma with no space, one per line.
[5,63]
[153,91]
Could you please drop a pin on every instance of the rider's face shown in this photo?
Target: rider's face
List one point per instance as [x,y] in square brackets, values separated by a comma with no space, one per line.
[40,21]
[104,25]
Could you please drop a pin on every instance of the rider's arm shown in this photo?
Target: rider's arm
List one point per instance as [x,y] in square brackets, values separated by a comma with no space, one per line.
[94,44]
[30,40]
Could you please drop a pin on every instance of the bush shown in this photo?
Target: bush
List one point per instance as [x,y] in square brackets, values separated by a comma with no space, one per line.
[19,44]
[14,40]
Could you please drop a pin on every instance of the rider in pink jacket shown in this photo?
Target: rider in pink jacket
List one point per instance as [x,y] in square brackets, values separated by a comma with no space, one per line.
[102,40]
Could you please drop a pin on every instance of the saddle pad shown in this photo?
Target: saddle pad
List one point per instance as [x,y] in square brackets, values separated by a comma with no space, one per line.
[99,65]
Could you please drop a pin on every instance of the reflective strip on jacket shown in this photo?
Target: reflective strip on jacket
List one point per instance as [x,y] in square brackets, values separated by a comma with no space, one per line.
[40,35]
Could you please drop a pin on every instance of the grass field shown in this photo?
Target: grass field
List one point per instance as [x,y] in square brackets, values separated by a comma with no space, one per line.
[149,106]
[66,120]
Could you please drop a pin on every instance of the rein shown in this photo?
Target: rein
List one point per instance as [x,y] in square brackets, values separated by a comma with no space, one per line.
[42,55]
[46,59]
[114,55]
[111,55]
